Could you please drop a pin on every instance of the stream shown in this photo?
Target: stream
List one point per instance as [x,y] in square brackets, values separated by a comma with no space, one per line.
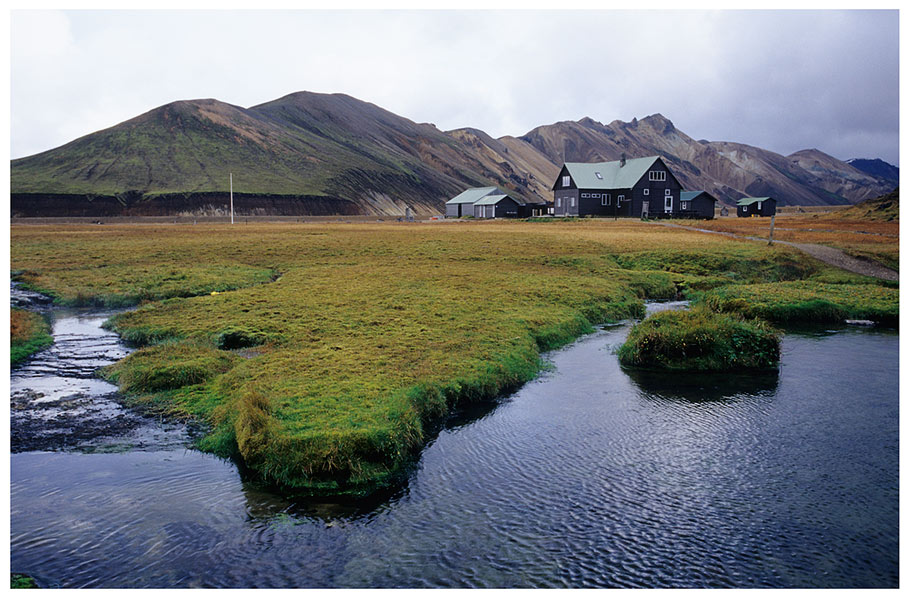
[588,476]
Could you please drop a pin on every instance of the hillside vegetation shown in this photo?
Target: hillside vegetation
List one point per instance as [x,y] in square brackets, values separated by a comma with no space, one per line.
[343,346]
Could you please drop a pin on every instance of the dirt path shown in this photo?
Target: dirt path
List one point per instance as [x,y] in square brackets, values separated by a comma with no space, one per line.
[829,255]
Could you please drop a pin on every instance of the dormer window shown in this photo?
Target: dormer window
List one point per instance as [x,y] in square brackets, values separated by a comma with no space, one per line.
[598,175]
[566,181]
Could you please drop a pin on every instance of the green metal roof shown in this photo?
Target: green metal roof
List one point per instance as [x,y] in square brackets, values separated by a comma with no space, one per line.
[472,195]
[490,200]
[690,195]
[609,175]
[750,200]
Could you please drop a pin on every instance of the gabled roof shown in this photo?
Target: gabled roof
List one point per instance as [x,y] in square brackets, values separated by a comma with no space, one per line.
[609,175]
[490,200]
[472,195]
[750,200]
[690,195]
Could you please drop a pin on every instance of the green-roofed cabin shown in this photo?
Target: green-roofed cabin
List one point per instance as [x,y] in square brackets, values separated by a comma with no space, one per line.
[696,204]
[490,202]
[756,206]
[497,205]
[636,188]
[463,203]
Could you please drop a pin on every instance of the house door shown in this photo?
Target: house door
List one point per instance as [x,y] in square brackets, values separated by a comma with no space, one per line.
[668,203]
[644,209]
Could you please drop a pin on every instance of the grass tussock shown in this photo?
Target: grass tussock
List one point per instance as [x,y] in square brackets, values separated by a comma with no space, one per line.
[29,333]
[702,341]
[328,379]
[809,301]
[168,366]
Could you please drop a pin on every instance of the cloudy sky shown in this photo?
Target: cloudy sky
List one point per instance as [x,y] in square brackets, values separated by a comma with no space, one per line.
[782,80]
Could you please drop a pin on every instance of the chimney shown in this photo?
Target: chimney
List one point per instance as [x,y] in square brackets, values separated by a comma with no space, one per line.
[622,160]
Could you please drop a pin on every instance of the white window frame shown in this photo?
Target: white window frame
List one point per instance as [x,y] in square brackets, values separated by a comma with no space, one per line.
[566,181]
[758,206]
[657,175]
[586,195]
[667,192]
[558,202]
[571,202]
[683,205]
[646,191]
[668,203]
[620,198]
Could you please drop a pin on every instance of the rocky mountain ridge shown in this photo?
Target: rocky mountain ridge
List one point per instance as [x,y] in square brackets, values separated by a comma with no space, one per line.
[309,153]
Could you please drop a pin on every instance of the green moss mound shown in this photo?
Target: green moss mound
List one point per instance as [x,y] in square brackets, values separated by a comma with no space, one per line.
[169,366]
[798,302]
[18,581]
[700,340]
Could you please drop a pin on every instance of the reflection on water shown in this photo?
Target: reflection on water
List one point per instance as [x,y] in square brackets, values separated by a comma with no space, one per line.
[703,387]
[586,477]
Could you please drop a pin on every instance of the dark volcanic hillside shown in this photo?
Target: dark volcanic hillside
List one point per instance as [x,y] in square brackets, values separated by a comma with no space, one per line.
[305,153]
[309,153]
[877,168]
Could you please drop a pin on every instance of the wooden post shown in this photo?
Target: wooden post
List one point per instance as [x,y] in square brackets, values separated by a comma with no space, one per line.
[232,198]
[771,233]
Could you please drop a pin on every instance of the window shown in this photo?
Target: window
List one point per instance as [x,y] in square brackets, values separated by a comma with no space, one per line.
[647,191]
[566,181]
[598,175]
[595,196]
[571,202]
[605,199]
[585,195]
[758,206]
[684,205]
[620,198]
[667,192]
[657,175]
[558,202]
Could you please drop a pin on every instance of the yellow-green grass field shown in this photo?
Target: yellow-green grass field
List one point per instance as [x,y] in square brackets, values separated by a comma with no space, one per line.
[875,240]
[323,354]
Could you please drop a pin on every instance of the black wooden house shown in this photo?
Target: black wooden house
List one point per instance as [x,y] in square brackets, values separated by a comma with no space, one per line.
[697,204]
[756,206]
[628,188]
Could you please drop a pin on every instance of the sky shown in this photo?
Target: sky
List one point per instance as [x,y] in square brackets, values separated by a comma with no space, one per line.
[780,80]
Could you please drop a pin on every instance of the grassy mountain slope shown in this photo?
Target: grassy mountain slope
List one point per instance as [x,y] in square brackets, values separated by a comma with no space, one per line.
[884,207]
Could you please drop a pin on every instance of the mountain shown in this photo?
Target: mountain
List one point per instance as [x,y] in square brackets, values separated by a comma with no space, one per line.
[305,153]
[885,207]
[877,168]
[727,170]
[310,154]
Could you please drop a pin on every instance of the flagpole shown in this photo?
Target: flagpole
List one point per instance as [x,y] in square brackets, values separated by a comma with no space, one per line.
[232,198]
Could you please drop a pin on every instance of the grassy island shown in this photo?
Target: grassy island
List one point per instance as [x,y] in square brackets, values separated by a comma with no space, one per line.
[323,356]
[700,340]
[29,333]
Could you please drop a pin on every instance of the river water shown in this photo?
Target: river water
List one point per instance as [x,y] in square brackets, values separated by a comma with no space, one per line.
[585,477]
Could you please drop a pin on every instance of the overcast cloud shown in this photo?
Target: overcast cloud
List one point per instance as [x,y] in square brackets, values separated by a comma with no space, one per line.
[781,80]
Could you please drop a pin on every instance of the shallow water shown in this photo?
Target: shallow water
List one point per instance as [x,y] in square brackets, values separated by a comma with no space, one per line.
[586,477]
